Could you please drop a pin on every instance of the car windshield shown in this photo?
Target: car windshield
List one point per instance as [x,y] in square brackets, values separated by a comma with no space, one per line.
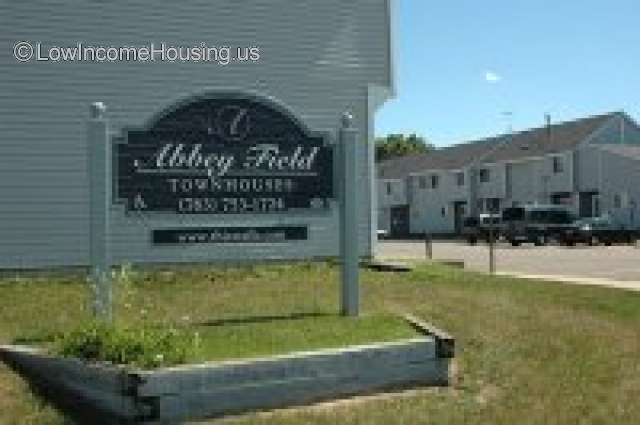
[551,216]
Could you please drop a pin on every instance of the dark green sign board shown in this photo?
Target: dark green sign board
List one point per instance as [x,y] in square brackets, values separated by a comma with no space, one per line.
[226,155]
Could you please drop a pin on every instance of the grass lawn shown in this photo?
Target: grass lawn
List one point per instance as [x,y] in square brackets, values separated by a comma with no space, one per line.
[282,336]
[528,352]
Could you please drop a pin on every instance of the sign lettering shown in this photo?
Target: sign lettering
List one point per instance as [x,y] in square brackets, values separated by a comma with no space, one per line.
[225,156]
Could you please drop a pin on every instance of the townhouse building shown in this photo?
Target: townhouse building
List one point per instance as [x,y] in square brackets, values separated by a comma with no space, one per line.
[590,165]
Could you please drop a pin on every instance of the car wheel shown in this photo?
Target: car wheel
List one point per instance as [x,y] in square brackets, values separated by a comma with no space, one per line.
[515,243]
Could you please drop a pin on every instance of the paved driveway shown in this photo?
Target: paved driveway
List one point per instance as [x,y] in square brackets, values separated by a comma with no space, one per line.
[581,264]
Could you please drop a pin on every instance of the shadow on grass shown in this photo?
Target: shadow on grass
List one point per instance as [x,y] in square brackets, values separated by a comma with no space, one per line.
[262,319]
[74,410]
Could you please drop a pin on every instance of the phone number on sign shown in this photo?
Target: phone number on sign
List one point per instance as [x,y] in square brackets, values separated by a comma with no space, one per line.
[230,205]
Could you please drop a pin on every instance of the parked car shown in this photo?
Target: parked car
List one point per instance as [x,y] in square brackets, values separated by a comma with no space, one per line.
[598,230]
[537,224]
[481,228]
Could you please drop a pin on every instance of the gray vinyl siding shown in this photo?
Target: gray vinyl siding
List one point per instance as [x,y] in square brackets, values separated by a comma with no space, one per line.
[524,181]
[386,200]
[588,169]
[560,181]
[318,58]
[590,162]
[611,174]
[398,195]
[428,203]
[496,186]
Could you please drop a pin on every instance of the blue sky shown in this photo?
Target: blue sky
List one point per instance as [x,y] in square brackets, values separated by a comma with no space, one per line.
[462,63]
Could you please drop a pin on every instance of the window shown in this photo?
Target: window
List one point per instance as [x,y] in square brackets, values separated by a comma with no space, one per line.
[558,165]
[617,201]
[435,179]
[561,198]
[443,212]
[551,216]
[422,182]
[493,205]
[484,176]
[460,178]
[389,188]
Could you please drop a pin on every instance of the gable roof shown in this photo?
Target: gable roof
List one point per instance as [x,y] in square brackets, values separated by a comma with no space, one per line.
[529,143]
[454,157]
[548,140]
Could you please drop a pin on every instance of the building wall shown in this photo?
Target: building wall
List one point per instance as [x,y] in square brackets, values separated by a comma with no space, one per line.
[319,59]
[561,181]
[428,204]
[614,176]
[386,200]
[589,169]
[397,194]
[589,162]
[524,181]
[496,186]
[384,219]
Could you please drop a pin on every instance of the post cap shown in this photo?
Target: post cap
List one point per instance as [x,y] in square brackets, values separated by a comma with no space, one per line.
[347,119]
[97,110]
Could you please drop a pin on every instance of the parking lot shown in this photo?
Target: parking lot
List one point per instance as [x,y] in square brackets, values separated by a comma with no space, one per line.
[614,265]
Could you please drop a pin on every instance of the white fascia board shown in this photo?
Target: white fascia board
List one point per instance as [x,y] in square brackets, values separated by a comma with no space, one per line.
[522,160]
[433,171]
[392,45]
[379,94]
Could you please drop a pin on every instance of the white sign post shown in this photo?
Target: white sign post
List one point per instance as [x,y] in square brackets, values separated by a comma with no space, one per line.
[349,217]
[99,169]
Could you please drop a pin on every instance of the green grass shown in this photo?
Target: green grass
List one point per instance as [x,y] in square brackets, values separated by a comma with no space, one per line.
[152,345]
[279,337]
[527,352]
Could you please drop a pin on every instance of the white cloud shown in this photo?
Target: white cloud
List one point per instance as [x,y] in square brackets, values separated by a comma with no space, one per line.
[492,77]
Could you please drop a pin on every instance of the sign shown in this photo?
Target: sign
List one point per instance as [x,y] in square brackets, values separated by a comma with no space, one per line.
[227,155]
[229,235]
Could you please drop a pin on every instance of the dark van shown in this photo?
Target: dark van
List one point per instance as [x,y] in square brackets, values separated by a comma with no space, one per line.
[537,224]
